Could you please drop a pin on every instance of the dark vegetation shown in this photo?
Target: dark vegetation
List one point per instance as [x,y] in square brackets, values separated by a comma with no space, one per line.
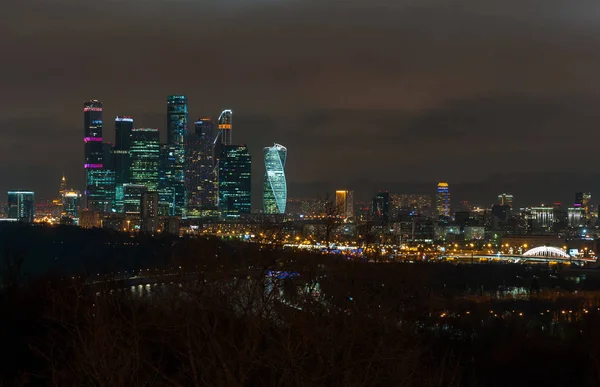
[216,318]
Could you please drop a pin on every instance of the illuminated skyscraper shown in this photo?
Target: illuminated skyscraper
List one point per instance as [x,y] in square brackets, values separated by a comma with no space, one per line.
[63,185]
[177,130]
[505,199]
[200,176]
[443,199]
[145,157]
[275,186]
[225,127]
[381,207]
[235,174]
[123,127]
[70,203]
[166,193]
[21,206]
[344,203]
[584,200]
[93,152]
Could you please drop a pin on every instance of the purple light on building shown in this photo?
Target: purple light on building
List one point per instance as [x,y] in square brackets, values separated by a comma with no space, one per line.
[92,166]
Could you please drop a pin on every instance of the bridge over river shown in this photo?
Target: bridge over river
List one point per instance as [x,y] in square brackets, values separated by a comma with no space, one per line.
[537,254]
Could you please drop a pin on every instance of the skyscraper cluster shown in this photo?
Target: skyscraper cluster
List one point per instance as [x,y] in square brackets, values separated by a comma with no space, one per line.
[196,173]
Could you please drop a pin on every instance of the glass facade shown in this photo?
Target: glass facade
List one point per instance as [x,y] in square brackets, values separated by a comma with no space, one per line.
[123,127]
[177,130]
[21,206]
[132,198]
[70,203]
[235,189]
[200,176]
[145,157]
[166,193]
[93,153]
[225,127]
[275,186]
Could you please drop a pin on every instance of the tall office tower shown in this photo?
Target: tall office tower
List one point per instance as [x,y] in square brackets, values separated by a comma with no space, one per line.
[505,199]
[93,152]
[225,121]
[123,127]
[177,130]
[344,203]
[235,174]
[584,200]
[443,199]
[145,157]
[21,206]
[106,181]
[542,218]
[381,207]
[70,203]
[149,212]
[200,177]
[63,186]
[166,193]
[275,186]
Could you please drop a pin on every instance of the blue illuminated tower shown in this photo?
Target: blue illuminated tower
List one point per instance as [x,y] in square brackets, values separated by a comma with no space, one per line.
[275,186]
[177,129]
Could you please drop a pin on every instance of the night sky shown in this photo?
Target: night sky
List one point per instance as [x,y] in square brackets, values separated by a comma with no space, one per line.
[397,94]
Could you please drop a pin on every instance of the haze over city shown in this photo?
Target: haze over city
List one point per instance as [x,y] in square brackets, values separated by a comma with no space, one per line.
[490,96]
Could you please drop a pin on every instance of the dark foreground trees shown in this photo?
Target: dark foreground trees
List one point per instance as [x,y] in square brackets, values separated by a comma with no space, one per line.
[237,315]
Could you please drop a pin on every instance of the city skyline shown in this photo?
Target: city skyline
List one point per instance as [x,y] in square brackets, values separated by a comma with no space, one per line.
[451,88]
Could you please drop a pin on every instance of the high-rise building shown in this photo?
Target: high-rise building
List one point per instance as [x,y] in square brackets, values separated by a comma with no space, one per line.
[584,200]
[21,206]
[443,199]
[123,127]
[166,193]
[275,185]
[200,174]
[63,186]
[381,207]
[542,218]
[93,154]
[505,199]
[235,174]
[344,203]
[149,212]
[177,130]
[132,198]
[576,216]
[145,157]
[225,127]
[71,202]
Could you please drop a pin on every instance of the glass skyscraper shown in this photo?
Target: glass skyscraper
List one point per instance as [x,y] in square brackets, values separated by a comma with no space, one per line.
[93,152]
[443,199]
[200,176]
[145,157]
[235,174]
[21,206]
[123,127]
[275,186]
[177,130]
[225,127]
